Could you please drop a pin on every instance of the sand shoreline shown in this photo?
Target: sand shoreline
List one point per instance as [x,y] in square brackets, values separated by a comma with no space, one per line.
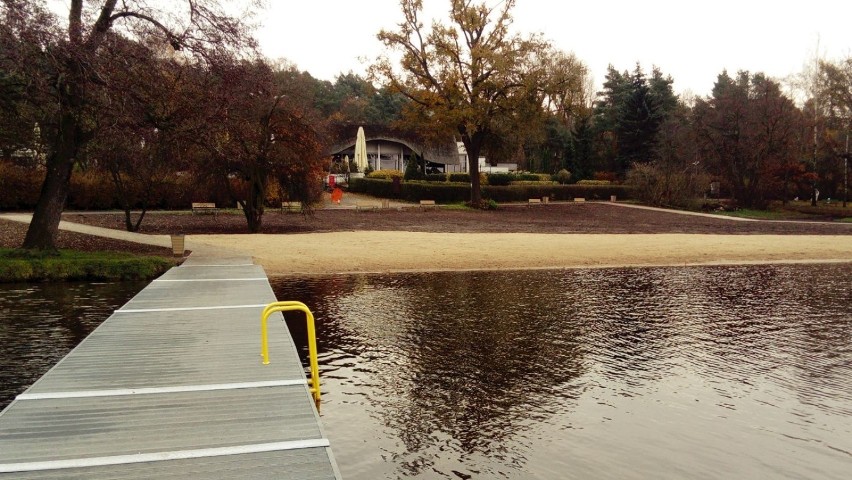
[386,252]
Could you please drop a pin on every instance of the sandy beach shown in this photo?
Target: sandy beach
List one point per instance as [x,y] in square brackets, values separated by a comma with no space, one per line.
[383,251]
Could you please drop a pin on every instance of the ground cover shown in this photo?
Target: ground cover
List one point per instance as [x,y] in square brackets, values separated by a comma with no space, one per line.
[798,210]
[81,257]
[592,218]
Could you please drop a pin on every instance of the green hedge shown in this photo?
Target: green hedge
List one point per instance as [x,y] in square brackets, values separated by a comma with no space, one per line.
[460,192]
[500,179]
[436,177]
[412,191]
[459,177]
[521,193]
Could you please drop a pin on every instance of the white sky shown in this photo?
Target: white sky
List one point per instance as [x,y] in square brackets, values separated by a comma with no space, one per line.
[691,41]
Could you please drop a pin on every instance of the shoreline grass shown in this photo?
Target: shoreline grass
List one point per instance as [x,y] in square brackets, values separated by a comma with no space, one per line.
[71,265]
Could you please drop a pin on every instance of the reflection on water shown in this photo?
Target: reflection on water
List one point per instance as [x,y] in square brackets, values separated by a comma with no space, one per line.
[41,323]
[704,372]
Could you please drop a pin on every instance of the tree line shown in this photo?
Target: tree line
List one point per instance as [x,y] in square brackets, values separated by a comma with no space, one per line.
[140,95]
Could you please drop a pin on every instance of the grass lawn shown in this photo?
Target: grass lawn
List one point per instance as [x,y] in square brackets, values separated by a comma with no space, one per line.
[66,265]
[796,211]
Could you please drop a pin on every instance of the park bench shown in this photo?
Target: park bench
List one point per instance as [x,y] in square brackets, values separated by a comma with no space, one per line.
[291,207]
[533,201]
[579,199]
[426,204]
[359,206]
[203,207]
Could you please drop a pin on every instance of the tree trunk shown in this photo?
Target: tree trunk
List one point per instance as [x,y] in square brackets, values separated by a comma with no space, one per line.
[44,227]
[473,145]
[253,209]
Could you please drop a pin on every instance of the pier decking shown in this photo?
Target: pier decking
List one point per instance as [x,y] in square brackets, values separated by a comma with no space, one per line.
[172,386]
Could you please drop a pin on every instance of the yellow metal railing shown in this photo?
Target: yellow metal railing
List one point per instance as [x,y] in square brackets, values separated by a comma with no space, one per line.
[290,306]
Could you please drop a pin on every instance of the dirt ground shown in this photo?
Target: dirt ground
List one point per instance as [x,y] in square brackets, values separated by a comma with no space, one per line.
[12,236]
[590,218]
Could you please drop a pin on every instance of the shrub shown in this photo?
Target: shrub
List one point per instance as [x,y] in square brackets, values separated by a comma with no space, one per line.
[562,176]
[19,186]
[386,174]
[412,171]
[460,192]
[436,177]
[521,193]
[532,182]
[459,177]
[441,192]
[531,177]
[665,187]
[500,179]
[594,182]
[91,190]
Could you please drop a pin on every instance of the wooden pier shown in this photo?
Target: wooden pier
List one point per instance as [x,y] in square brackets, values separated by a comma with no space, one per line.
[172,386]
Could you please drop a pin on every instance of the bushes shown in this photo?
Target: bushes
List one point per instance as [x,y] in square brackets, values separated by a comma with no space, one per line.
[385,174]
[459,177]
[457,192]
[91,191]
[521,193]
[19,186]
[666,187]
[412,171]
[594,182]
[500,179]
[504,179]
[436,177]
[412,191]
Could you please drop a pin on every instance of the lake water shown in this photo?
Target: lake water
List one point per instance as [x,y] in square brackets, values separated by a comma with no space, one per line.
[699,372]
[41,323]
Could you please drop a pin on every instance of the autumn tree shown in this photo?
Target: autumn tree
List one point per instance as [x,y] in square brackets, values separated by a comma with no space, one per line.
[145,127]
[267,131]
[746,129]
[470,77]
[66,66]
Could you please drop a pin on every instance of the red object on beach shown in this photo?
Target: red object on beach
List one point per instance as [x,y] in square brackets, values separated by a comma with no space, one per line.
[336,195]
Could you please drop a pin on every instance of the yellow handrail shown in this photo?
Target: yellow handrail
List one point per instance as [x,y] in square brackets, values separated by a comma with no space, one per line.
[288,306]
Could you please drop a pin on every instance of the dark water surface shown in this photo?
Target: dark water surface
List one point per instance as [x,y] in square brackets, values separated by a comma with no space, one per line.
[41,323]
[693,372]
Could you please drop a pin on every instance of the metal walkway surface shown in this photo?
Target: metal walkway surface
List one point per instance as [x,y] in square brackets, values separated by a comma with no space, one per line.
[172,386]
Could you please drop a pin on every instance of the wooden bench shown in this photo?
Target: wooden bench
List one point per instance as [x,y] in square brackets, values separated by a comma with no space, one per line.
[200,207]
[533,201]
[359,206]
[291,207]
[424,204]
[579,199]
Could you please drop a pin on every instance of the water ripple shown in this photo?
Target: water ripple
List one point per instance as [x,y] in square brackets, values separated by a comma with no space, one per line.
[629,373]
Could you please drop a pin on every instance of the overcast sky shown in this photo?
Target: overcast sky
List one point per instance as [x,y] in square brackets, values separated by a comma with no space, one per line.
[690,40]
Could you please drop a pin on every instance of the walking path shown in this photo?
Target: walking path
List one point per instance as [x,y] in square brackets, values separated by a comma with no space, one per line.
[172,386]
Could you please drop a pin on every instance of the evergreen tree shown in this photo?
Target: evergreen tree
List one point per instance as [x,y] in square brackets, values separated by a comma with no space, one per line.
[628,115]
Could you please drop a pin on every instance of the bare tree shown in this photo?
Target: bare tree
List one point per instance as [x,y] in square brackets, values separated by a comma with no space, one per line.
[67,66]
